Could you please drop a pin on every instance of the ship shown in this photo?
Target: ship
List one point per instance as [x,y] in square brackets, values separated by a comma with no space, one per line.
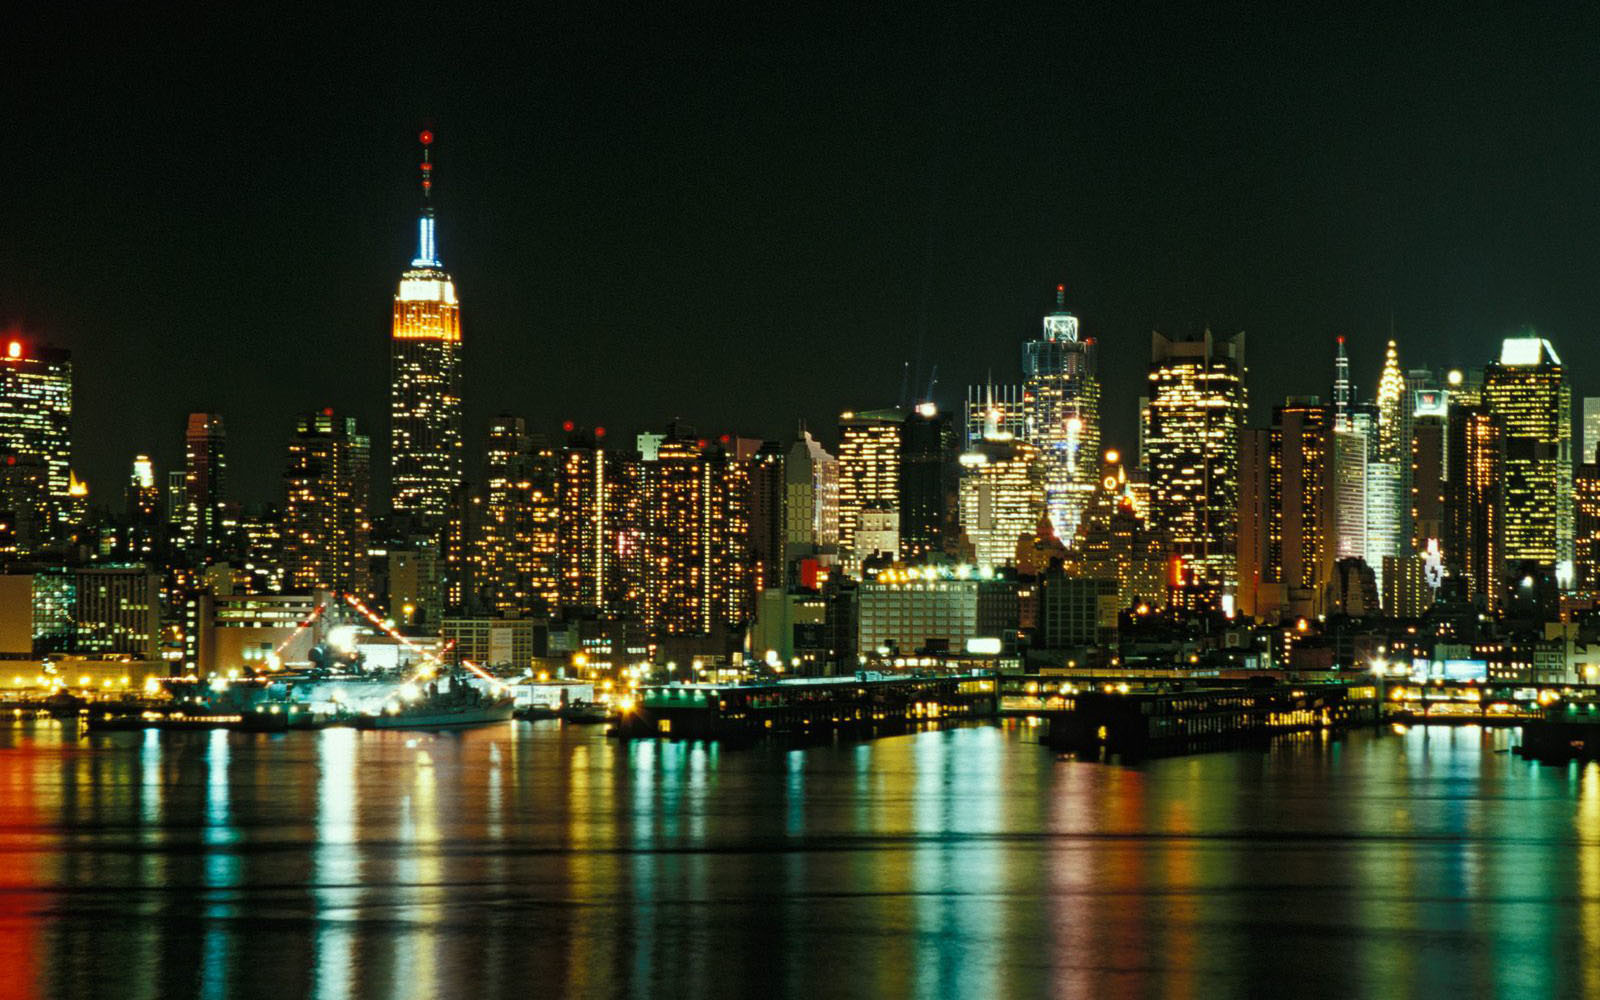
[448,703]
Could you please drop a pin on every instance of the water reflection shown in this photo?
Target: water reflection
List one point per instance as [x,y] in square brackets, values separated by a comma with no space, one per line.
[961,863]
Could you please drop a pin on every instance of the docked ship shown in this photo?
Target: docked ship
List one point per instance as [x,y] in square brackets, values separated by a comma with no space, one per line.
[447,703]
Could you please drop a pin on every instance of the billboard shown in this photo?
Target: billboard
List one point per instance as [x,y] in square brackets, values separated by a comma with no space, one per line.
[1430,402]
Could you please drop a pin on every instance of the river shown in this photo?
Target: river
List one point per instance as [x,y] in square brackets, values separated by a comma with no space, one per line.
[546,860]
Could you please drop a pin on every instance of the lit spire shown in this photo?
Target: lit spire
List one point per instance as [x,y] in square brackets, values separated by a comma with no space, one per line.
[1391,390]
[427,252]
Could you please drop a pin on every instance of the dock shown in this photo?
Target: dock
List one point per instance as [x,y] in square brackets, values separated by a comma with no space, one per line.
[856,706]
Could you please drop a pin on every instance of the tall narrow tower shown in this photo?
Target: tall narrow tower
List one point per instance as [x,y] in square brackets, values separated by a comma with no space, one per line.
[1343,391]
[425,375]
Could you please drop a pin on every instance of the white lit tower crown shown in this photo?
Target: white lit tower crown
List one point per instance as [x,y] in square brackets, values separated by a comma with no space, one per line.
[425,375]
[1061,405]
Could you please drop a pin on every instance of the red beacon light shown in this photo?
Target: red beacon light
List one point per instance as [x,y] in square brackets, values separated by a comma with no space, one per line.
[599,432]
[426,138]
[14,349]
[568,426]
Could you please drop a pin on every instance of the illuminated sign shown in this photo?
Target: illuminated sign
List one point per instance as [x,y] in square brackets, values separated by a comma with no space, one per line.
[1430,402]
[983,646]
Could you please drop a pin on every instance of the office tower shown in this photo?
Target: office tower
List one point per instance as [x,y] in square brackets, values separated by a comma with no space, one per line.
[1061,402]
[326,491]
[765,473]
[1002,495]
[1116,541]
[928,483]
[36,432]
[1300,552]
[1429,473]
[600,530]
[1197,406]
[1591,430]
[515,569]
[1348,524]
[870,446]
[27,512]
[991,411]
[1387,487]
[143,515]
[1527,391]
[1255,523]
[204,481]
[262,537]
[1144,431]
[811,502]
[1586,528]
[425,376]
[696,524]
[1474,501]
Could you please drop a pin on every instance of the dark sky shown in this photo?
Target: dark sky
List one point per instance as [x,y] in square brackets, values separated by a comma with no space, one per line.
[745,216]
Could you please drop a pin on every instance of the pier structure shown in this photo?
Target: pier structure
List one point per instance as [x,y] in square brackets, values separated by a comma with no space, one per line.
[860,706]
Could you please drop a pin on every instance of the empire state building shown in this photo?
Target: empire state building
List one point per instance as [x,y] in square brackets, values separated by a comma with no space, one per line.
[425,375]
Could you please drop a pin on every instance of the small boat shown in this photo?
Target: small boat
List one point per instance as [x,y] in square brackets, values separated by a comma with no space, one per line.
[533,713]
[448,703]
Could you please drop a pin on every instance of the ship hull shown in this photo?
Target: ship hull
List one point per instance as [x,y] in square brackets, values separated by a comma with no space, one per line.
[443,718]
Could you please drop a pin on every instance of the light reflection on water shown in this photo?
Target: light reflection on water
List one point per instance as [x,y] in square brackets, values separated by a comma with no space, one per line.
[543,859]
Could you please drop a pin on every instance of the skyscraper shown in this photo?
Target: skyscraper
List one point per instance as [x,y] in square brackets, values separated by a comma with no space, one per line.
[764,472]
[425,376]
[1300,451]
[1002,496]
[1387,488]
[600,531]
[1197,405]
[204,480]
[928,483]
[1474,502]
[36,434]
[515,536]
[811,501]
[697,568]
[1527,391]
[326,529]
[1591,430]
[869,467]
[1061,402]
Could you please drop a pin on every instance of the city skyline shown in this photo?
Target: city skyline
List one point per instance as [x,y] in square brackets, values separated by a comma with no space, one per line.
[572,258]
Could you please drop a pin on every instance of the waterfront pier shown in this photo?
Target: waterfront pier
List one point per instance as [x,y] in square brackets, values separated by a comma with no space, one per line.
[1136,723]
[859,706]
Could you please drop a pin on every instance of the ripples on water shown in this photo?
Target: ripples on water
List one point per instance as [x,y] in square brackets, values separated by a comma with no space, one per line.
[546,861]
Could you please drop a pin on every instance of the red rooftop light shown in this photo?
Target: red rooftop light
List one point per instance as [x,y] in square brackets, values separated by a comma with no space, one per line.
[426,137]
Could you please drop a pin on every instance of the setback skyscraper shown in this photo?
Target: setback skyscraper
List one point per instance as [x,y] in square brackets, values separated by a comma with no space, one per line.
[425,377]
[1061,403]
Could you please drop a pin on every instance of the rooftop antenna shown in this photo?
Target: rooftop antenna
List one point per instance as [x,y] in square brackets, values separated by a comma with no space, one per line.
[427,252]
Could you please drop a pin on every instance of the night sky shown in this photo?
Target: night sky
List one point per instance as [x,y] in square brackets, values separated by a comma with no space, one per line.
[746,217]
